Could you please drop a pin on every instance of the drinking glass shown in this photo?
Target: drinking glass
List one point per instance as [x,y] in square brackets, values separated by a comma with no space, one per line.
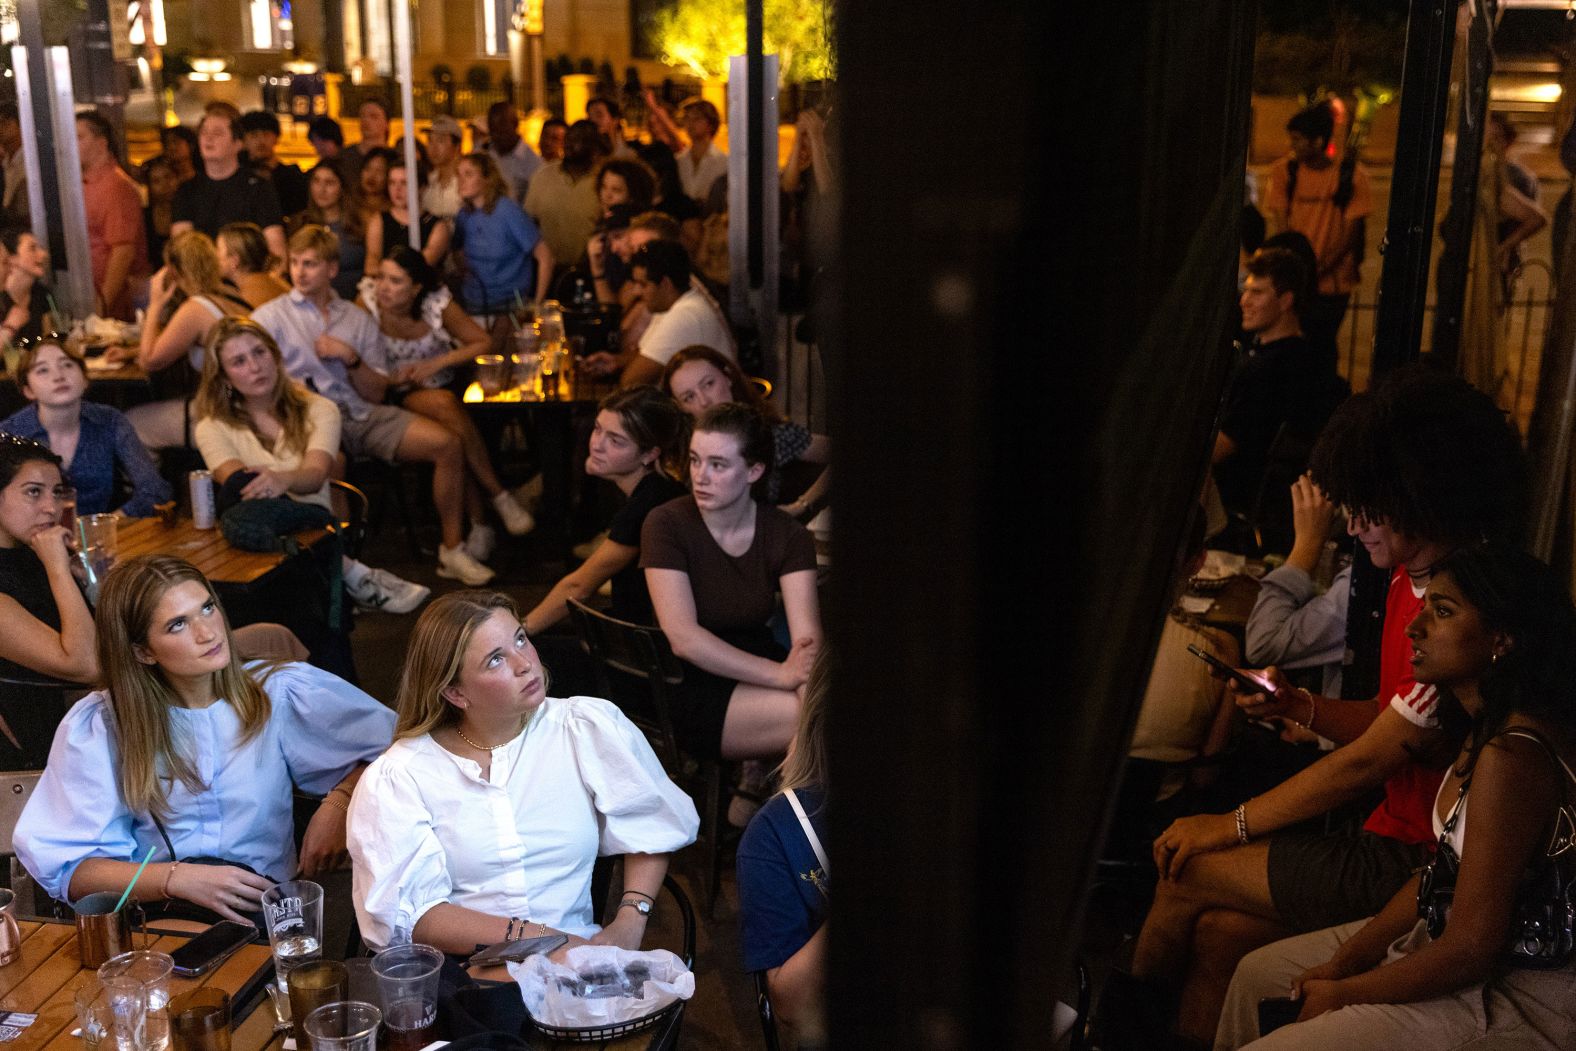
[153,970]
[98,539]
[350,1025]
[527,372]
[408,987]
[112,1013]
[311,986]
[294,913]
[492,372]
[200,1020]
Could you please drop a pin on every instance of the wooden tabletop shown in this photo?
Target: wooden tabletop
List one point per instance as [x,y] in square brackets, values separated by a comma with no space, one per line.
[206,549]
[47,973]
[1233,604]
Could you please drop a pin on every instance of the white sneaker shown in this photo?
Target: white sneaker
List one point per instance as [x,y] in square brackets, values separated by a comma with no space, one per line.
[456,564]
[380,590]
[516,519]
[481,540]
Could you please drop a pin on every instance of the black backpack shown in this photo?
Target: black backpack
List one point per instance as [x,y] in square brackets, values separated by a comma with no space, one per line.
[1344,189]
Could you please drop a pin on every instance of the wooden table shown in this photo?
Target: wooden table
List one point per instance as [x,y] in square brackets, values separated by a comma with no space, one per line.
[206,549]
[47,973]
[1233,604]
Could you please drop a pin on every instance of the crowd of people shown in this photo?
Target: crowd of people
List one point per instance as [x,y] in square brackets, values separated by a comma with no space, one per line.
[290,328]
[1316,885]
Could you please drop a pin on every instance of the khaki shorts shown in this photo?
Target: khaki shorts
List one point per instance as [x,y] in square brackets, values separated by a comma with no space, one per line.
[378,435]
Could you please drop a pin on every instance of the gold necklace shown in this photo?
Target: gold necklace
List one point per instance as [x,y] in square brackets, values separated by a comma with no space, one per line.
[485,747]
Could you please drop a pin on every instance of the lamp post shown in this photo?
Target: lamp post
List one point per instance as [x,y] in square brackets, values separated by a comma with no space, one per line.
[525,49]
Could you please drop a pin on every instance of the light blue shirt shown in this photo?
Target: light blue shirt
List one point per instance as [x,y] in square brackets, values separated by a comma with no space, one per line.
[318,729]
[295,322]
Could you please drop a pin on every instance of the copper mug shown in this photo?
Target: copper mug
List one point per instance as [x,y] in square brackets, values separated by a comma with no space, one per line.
[102,930]
[10,936]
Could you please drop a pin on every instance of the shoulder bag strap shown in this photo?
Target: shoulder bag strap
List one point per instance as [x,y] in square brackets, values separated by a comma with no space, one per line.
[165,835]
[1563,837]
[809,832]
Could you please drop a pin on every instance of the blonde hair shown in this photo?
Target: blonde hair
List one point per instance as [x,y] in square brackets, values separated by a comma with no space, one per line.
[493,185]
[433,656]
[217,399]
[139,696]
[195,260]
[314,237]
[806,765]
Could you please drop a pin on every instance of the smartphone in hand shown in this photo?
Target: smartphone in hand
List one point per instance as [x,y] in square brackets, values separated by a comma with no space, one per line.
[1247,682]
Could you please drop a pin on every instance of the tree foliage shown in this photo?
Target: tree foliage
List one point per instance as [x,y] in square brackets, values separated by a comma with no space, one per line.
[1307,46]
[700,35]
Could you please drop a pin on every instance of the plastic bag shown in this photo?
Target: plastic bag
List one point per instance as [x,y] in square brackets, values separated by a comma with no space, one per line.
[601,985]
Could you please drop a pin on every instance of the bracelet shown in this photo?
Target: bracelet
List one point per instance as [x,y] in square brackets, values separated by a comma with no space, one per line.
[636,905]
[336,804]
[1241,814]
[1313,709]
[354,363]
[508,935]
[169,874]
[642,894]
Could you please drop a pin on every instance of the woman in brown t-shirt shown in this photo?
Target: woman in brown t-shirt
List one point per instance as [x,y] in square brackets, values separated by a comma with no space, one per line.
[714,562]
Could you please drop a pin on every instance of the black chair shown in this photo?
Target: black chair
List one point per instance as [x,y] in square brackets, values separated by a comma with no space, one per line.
[353,527]
[637,671]
[390,479]
[763,1005]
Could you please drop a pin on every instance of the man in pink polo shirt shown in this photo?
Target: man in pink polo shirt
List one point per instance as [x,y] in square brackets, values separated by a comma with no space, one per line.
[116,238]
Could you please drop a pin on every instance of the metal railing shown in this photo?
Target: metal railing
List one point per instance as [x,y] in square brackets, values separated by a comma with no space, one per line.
[1523,322]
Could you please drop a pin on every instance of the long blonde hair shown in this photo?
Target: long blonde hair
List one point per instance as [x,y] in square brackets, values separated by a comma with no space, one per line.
[218,399]
[139,696]
[195,260]
[433,656]
[806,765]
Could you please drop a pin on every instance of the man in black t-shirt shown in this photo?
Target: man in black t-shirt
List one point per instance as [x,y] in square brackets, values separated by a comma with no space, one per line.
[1280,384]
[260,133]
[228,193]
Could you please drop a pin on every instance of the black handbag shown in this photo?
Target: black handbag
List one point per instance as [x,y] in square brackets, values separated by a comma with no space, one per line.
[1543,919]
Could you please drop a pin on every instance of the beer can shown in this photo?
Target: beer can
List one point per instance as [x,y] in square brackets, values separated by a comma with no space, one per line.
[202,499]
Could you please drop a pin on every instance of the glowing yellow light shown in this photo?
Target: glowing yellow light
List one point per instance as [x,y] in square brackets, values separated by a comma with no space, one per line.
[1546,92]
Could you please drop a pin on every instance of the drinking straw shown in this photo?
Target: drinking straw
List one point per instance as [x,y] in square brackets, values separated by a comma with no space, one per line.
[135,877]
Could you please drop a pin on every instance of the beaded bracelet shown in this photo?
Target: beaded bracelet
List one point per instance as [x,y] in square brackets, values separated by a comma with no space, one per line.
[1313,709]
[1241,814]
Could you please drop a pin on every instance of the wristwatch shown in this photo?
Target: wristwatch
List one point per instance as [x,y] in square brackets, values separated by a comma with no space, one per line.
[642,907]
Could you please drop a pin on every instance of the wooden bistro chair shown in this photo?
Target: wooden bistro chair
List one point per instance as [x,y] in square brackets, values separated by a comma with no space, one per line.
[637,671]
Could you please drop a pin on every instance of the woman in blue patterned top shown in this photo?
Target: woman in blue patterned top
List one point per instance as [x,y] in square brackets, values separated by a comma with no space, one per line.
[95,443]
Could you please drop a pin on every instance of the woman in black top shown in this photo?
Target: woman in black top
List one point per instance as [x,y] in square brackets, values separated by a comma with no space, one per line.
[26,310]
[48,627]
[391,227]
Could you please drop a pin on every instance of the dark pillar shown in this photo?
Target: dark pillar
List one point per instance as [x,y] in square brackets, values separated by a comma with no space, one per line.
[1409,237]
[334,36]
[1451,283]
[1038,251]
[29,19]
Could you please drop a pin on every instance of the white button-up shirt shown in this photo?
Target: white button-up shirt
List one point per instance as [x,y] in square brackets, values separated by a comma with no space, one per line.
[295,322]
[426,828]
[698,175]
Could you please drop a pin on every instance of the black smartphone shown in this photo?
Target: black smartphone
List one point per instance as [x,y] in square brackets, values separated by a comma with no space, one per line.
[211,948]
[1247,681]
[515,951]
[1277,1011]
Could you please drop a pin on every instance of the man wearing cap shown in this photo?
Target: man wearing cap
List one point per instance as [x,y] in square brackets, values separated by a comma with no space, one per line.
[260,133]
[442,194]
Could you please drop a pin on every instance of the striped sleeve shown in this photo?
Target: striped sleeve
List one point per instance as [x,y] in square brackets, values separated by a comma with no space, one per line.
[1417,704]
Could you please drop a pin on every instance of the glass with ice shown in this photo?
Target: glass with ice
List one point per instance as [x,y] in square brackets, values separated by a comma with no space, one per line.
[293,912]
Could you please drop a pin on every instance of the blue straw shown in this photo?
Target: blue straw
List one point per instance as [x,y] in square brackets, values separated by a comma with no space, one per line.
[135,877]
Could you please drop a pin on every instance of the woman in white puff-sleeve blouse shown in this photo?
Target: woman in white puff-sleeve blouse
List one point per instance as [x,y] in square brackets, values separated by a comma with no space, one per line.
[484,818]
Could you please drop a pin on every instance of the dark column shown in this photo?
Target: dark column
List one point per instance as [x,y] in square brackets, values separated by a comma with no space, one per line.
[334,36]
[1038,236]
[1453,264]
[29,19]
[1409,237]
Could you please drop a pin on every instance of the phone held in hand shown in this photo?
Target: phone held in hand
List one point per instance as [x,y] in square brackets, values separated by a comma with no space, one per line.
[1248,682]
[1277,1011]
[516,951]
[211,948]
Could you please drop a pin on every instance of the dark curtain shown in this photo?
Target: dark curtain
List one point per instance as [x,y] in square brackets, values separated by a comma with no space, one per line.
[1037,265]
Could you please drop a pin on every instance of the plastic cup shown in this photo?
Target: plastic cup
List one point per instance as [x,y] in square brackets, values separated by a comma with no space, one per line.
[349,1025]
[408,987]
[112,1014]
[153,970]
[492,372]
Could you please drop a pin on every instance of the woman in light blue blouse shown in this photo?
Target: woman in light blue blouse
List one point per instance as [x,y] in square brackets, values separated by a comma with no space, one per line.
[94,442]
[193,754]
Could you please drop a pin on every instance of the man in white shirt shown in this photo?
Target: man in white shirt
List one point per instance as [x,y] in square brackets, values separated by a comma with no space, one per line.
[336,349]
[704,162]
[442,195]
[516,160]
[682,314]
